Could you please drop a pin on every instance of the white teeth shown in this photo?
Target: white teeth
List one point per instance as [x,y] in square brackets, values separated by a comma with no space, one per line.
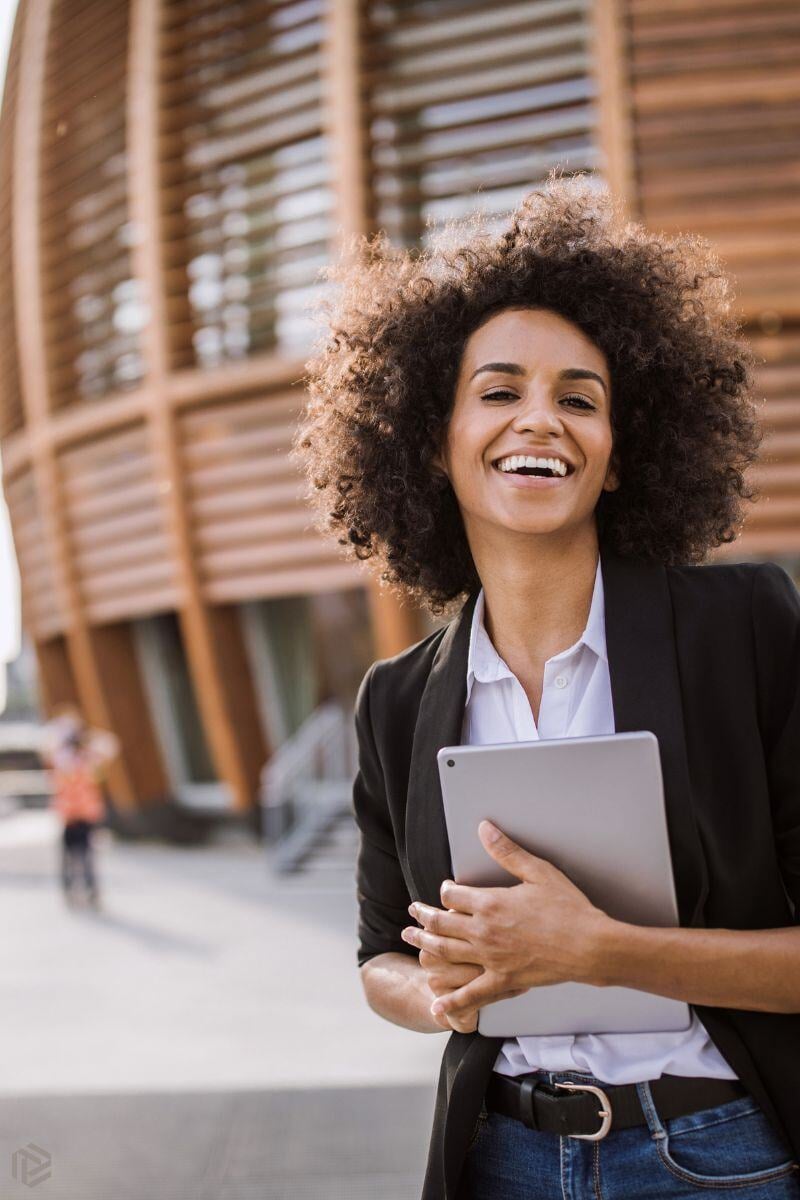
[515,461]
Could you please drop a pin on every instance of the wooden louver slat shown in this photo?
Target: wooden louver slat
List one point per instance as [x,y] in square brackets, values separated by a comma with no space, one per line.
[248,199]
[94,313]
[469,113]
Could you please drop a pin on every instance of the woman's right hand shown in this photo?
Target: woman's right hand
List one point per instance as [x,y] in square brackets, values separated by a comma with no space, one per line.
[443,976]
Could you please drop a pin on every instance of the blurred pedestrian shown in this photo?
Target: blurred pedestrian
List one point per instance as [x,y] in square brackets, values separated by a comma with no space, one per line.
[76,754]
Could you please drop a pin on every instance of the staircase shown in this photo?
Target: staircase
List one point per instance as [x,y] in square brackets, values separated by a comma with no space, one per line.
[306,796]
[331,861]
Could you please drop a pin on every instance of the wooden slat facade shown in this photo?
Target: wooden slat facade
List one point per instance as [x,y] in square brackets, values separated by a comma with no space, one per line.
[173,175]
[465,109]
[93,310]
[246,505]
[12,417]
[43,609]
[123,558]
[714,94]
[245,171]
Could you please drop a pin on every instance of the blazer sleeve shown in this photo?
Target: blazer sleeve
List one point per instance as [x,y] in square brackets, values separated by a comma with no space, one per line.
[776,627]
[382,894]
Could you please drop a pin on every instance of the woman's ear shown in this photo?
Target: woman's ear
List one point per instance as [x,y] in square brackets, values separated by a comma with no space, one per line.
[611,482]
[438,468]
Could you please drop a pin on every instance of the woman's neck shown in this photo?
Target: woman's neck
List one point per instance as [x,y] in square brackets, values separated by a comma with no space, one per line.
[537,601]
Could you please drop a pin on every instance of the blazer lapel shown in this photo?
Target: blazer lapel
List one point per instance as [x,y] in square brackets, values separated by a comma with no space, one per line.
[439,722]
[646,694]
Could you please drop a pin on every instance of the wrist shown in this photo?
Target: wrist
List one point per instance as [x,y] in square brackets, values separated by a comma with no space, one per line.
[603,937]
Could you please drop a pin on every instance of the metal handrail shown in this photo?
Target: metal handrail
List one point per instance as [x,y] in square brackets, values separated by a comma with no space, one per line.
[322,748]
[307,784]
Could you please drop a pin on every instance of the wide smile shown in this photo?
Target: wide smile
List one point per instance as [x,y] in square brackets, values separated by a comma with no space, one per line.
[521,479]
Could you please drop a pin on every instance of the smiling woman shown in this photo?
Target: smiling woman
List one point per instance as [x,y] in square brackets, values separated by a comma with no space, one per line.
[496,435]
[552,425]
[640,320]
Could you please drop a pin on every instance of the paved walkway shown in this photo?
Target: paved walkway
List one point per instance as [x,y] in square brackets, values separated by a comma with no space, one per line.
[203,1035]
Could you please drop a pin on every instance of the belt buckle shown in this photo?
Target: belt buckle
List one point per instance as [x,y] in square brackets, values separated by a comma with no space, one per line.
[605,1111]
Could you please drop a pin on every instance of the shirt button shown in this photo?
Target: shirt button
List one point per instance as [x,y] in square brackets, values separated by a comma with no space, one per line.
[560,681]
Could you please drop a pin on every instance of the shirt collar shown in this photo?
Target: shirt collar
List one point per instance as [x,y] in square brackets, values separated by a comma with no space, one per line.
[486,665]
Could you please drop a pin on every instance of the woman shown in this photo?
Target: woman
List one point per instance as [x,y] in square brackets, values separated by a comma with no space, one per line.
[605,357]
[76,756]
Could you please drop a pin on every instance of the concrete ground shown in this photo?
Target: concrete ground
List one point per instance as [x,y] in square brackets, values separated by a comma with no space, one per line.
[204,1035]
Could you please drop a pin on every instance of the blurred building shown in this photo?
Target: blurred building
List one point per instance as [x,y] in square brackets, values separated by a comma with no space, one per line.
[173,173]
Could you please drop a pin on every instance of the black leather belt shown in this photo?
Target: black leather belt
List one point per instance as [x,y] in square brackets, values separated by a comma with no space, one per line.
[589,1111]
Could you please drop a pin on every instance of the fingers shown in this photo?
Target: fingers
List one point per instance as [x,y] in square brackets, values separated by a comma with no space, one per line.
[443,977]
[467,1021]
[486,988]
[508,853]
[448,948]
[465,1024]
[460,896]
[445,934]
[452,970]
[439,920]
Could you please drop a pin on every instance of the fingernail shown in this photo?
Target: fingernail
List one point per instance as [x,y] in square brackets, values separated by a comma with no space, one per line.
[436,1008]
[490,831]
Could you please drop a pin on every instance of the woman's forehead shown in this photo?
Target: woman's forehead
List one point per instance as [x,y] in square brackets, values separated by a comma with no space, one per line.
[539,341]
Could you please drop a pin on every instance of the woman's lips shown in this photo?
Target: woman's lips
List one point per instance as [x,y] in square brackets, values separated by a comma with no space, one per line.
[534,481]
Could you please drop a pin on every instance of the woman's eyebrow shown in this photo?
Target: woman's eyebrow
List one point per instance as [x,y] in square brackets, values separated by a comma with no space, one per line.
[516,369]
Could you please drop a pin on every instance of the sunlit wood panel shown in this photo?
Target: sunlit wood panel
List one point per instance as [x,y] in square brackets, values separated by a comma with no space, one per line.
[11,412]
[246,179]
[93,307]
[245,502]
[43,609]
[715,99]
[123,559]
[469,110]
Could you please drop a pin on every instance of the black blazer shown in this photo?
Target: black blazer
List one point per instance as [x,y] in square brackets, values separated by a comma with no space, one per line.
[708,659]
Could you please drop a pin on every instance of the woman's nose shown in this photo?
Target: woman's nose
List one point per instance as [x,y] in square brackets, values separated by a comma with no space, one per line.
[537,417]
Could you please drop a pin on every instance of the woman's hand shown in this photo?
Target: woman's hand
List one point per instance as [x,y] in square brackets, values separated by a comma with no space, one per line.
[444,977]
[541,931]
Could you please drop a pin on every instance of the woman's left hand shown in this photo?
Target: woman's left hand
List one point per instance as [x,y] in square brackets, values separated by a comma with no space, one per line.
[542,930]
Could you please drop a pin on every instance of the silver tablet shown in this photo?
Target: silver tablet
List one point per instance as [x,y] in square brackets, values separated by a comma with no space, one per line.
[593,806]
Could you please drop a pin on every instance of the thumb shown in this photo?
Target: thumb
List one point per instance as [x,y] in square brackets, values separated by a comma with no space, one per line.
[507,852]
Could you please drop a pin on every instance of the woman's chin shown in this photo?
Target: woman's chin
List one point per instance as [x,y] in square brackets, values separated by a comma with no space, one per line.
[533,528]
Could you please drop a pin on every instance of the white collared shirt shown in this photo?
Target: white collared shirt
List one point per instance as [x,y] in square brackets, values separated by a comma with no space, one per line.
[576,702]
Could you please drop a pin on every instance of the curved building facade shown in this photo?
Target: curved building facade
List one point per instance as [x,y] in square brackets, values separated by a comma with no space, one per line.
[173,175]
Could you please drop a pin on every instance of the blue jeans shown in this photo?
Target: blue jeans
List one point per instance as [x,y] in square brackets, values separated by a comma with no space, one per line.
[730,1150]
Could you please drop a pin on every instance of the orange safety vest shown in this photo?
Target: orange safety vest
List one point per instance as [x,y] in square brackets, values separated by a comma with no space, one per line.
[77,795]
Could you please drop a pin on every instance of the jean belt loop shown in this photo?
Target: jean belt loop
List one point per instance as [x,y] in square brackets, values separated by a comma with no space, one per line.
[650,1111]
[527,1114]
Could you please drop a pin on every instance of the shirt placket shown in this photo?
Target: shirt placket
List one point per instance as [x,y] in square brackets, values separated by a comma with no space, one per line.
[524,723]
[558,684]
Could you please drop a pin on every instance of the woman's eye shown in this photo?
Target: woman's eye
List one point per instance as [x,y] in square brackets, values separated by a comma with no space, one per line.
[580,400]
[512,395]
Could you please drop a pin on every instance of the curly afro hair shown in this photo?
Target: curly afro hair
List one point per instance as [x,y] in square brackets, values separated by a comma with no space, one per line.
[381,382]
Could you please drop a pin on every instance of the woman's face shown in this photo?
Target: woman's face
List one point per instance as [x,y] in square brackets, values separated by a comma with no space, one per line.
[513,398]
